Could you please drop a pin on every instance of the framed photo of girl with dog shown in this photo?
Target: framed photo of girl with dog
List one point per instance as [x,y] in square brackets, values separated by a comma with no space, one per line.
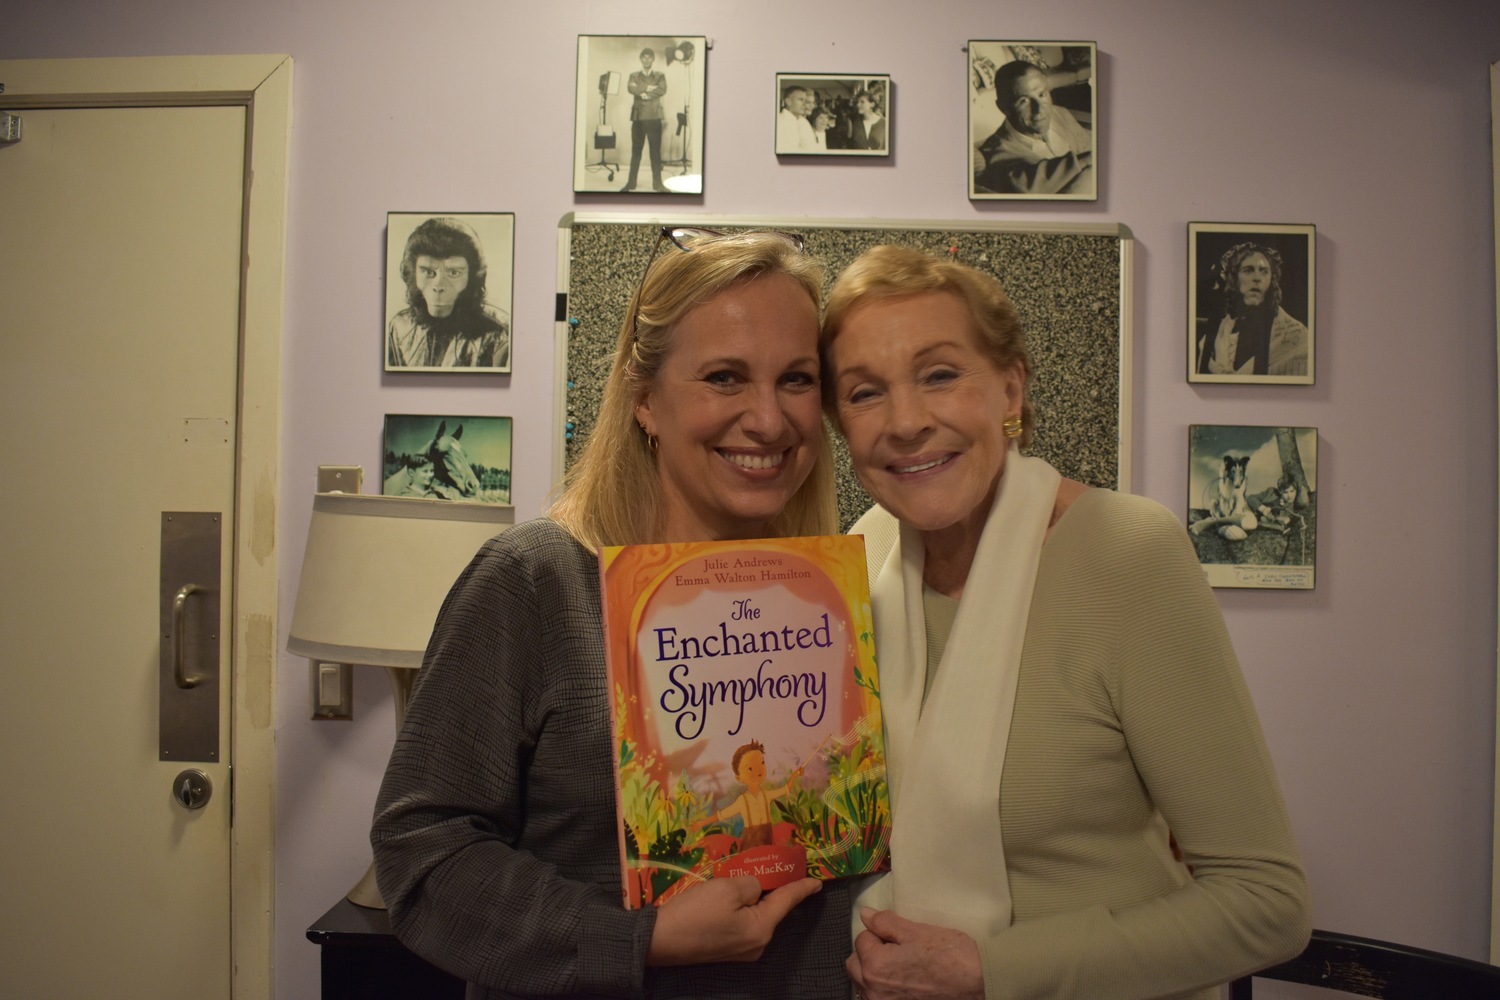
[447,458]
[1253,504]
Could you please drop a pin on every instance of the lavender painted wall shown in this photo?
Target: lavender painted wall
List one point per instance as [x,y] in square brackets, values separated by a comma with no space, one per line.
[1370,120]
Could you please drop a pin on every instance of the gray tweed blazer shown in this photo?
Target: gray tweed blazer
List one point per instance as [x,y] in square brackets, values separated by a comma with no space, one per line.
[494,834]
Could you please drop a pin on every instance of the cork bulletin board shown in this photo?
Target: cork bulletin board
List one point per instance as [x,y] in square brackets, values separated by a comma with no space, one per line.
[1070,283]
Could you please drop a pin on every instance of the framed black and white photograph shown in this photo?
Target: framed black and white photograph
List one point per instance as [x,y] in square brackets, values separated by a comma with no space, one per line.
[638,119]
[833,114]
[1253,504]
[447,458]
[1250,303]
[1033,121]
[448,284]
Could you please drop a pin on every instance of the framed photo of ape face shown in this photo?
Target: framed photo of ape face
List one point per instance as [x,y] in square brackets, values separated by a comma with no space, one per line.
[833,114]
[638,114]
[448,284]
[1033,121]
[1250,303]
[1252,507]
[447,458]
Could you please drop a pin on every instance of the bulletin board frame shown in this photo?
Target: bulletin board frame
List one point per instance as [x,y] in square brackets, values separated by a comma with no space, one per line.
[1071,283]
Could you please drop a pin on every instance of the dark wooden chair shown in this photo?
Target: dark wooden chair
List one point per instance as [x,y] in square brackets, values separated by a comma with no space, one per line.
[1369,968]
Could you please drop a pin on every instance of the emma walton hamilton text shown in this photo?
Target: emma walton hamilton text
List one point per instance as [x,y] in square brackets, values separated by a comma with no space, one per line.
[718,570]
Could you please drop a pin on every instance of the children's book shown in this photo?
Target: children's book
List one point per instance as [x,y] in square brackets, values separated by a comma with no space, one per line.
[746,705]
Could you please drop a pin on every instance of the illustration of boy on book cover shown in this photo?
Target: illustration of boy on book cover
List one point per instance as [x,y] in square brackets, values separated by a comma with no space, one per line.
[747,713]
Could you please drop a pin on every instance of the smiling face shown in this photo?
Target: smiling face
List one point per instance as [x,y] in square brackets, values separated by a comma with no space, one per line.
[1028,103]
[1253,278]
[735,410]
[441,282]
[922,405]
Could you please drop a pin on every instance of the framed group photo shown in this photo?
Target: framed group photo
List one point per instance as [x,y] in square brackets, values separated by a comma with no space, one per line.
[447,458]
[1251,293]
[448,291]
[833,114]
[1253,504]
[1033,121]
[638,115]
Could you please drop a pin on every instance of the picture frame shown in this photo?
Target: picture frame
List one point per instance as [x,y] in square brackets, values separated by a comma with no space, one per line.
[1252,508]
[638,122]
[834,114]
[1038,140]
[449,284]
[441,457]
[1265,339]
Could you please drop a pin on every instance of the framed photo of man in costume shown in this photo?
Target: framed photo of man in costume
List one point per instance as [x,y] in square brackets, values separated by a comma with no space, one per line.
[638,114]
[1033,121]
[1251,298]
[448,291]
[833,114]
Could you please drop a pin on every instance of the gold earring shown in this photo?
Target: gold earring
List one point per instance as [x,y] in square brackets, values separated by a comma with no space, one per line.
[1013,427]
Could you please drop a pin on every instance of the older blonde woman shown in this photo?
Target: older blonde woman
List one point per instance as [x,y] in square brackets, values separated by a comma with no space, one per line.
[1058,687]
[495,834]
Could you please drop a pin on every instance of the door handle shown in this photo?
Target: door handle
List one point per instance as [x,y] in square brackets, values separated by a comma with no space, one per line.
[189,593]
[179,637]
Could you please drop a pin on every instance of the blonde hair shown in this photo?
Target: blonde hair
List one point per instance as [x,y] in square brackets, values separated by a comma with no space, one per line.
[612,495]
[888,272]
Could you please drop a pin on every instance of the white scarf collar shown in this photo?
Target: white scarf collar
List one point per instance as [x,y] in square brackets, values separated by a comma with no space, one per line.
[947,852]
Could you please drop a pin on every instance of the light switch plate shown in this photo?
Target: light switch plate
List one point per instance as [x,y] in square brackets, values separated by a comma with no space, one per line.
[332,690]
[340,478]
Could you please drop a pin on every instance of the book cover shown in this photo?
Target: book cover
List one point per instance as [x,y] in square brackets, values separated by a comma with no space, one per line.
[746,712]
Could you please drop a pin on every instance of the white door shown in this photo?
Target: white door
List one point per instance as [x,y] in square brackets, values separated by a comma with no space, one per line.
[120,264]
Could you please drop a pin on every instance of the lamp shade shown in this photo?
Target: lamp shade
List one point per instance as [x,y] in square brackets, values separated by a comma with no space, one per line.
[376,570]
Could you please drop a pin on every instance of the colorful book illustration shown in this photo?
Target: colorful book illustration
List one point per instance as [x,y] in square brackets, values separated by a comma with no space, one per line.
[747,724]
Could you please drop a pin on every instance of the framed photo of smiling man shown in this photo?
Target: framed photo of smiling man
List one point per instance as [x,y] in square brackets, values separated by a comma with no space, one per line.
[448,282]
[1250,303]
[1033,121]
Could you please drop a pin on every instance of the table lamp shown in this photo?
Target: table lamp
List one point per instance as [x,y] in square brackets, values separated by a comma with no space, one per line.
[375,571]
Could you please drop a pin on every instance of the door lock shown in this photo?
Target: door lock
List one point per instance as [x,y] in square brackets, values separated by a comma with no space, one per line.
[192,789]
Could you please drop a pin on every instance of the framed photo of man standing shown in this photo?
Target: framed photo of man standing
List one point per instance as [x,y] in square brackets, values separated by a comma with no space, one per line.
[638,114]
[1250,310]
[1033,121]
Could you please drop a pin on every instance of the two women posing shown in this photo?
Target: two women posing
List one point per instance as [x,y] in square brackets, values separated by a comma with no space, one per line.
[1057,681]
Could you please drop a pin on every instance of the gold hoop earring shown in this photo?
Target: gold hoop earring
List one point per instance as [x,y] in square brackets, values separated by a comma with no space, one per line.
[1013,427]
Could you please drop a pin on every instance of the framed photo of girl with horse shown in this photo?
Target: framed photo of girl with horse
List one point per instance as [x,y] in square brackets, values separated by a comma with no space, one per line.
[447,458]
[448,283]
[1253,504]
